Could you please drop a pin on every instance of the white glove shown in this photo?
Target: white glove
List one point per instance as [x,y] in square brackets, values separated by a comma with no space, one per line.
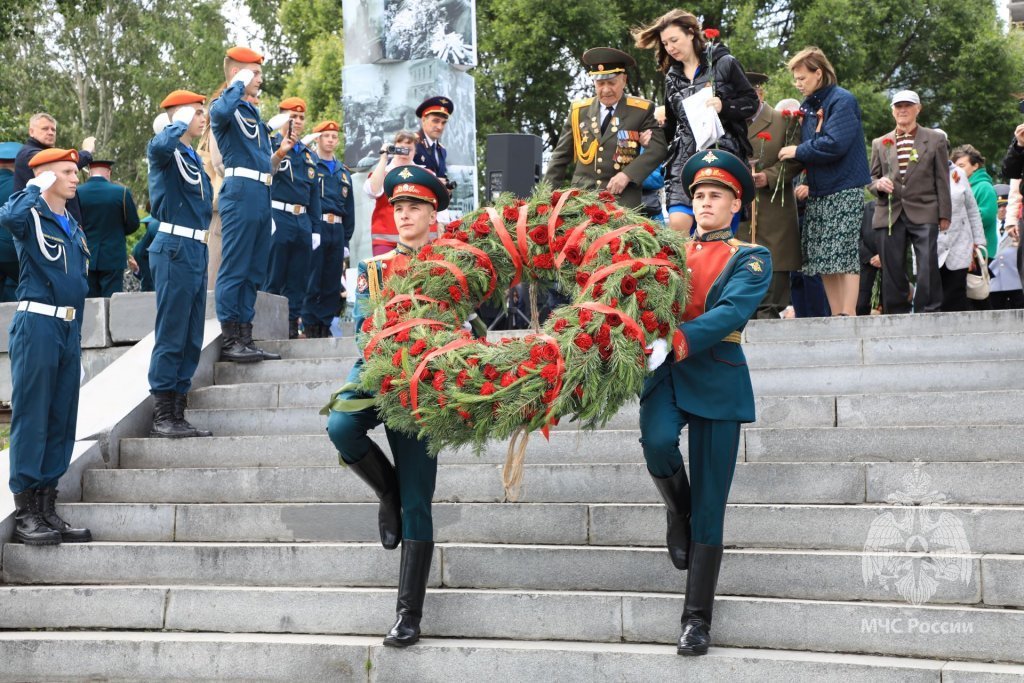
[89,144]
[184,115]
[346,252]
[278,122]
[273,227]
[316,241]
[308,140]
[243,75]
[161,122]
[43,181]
[659,352]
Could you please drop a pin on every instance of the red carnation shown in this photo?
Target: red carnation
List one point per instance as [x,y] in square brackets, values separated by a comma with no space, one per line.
[560,324]
[542,209]
[676,309]
[391,317]
[396,359]
[578,391]
[490,372]
[385,385]
[614,303]
[598,289]
[641,298]
[438,270]
[455,293]
[545,261]
[605,352]
[606,196]
[614,245]
[619,258]
[418,347]
[550,373]
[510,213]
[507,379]
[473,360]
[549,396]
[461,378]
[402,336]
[599,217]
[539,234]
[462,236]
[628,285]
[555,196]
[483,262]
[439,379]
[650,229]
[585,316]
[367,325]
[888,142]
[711,33]
[584,341]
[464,415]
[764,135]
[403,398]
[663,329]
[425,376]
[487,389]
[633,333]
[559,243]
[525,368]
[662,275]
[649,320]
[636,266]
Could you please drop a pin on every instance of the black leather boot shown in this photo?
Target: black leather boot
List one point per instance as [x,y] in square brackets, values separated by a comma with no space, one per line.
[701,580]
[30,527]
[180,403]
[412,588]
[48,508]
[377,471]
[232,349]
[675,491]
[164,424]
[293,329]
[245,335]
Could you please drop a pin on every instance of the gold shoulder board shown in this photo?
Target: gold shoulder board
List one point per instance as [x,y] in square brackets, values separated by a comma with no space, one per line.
[638,102]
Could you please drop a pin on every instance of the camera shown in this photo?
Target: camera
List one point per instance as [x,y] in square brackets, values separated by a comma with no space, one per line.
[450,184]
[393,150]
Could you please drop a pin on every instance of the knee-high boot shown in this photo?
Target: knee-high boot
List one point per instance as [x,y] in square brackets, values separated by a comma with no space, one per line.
[675,491]
[412,588]
[378,472]
[698,605]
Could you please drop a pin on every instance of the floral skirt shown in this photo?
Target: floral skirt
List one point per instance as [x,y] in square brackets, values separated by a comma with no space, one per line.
[832,232]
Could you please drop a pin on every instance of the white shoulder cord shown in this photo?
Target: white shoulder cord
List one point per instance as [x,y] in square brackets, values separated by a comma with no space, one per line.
[248,130]
[41,239]
[286,165]
[190,177]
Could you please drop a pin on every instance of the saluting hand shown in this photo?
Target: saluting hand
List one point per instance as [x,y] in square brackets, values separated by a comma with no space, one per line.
[184,115]
[244,76]
[43,181]
[278,121]
[89,144]
[618,183]
[161,122]
[308,140]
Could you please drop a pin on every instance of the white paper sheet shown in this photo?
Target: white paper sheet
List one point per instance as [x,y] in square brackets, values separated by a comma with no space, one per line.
[704,121]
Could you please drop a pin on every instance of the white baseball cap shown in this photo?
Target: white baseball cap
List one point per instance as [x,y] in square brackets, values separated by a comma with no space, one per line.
[906,96]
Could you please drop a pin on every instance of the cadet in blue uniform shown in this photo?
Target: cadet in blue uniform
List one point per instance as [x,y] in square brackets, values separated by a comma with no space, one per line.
[45,344]
[406,490]
[244,202]
[182,201]
[296,202]
[337,223]
[433,114]
[109,216]
[140,252]
[8,256]
[706,385]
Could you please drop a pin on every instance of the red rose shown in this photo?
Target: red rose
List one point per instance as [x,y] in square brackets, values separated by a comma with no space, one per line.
[455,293]
[487,389]
[542,209]
[438,382]
[418,347]
[619,258]
[598,289]
[599,217]
[402,336]
[483,262]
[461,378]
[560,324]
[614,303]
[391,317]
[559,243]
[490,372]
[633,333]
[888,142]
[581,280]
[545,261]
[539,234]
[628,285]
[650,229]
[662,275]
[549,396]
[548,353]
[426,252]
[584,341]
[550,373]
[641,298]
[454,225]
[614,245]
[711,33]
[574,255]
[555,196]
[464,415]
[613,319]
[507,379]
[385,385]
[462,236]
[590,209]
[764,135]
[511,213]
[443,305]
[636,266]
[535,352]
[481,228]
[649,320]
[605,352]
[663,329]
[585,316]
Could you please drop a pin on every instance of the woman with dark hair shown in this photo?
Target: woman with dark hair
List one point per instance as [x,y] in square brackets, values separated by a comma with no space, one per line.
[969,160]
[836,160]
[683,56]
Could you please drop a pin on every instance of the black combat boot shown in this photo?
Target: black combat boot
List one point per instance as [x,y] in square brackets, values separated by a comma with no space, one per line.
[293,329]
[377,471]
[232,349]
[48,509]
[412,588]
[180,403]
[701,580]
[675,491]
[245,335]
[31,528]
[164,424]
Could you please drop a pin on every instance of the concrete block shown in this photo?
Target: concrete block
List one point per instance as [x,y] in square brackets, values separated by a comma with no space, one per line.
[284,371]
[81,607]
[95,361]
[951,443]
[1003,579]
[271,321]
[804,353]
[929,408]
[228,564]
[880,326]
[331,347]
[94,324]
[980,483]
[1003,345]
[116,522]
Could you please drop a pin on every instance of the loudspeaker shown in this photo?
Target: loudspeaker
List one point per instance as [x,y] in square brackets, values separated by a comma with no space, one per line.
[513,164]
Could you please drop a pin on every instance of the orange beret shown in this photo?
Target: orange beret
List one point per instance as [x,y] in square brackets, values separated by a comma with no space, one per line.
[180,97]
[293,104]
[49,156]
[245,55]
[326,126]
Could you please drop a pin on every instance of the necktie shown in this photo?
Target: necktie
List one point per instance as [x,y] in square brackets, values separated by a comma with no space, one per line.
[607,120]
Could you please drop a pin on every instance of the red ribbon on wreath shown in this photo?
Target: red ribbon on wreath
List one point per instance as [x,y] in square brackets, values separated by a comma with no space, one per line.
[627,322]
[395,329]
[479,253]
[506,241]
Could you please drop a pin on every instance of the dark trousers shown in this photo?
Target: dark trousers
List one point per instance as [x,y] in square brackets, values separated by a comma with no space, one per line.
[954,289]
[895,283]
[777,297]
[46,358]
[8,281]
[713,446]
[105,283]
[290,253]
[323,289]
[417,471]
[808,294]
[245,247]
[1004,301]
[178,265]
[868,274]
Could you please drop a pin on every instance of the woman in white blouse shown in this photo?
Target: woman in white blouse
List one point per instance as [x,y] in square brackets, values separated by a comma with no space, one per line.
[956,245]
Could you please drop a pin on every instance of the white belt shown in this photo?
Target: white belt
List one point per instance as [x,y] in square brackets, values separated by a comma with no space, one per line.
[182,231]
[331,218]
[63,312]
[248,173]
[296,209]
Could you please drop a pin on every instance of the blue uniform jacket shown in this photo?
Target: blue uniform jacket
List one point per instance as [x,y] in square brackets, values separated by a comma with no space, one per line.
[109,215]
[336,195]
[425,156]
[296,182]
[179,189]
[7,252]
[729,279]
[242,137]
[54,267]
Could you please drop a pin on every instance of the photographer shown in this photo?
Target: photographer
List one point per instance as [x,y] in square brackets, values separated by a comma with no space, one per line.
[1013,169]
[383,233]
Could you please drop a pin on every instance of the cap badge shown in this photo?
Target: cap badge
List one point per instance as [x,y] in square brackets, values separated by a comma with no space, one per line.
[709,157]
[404,173]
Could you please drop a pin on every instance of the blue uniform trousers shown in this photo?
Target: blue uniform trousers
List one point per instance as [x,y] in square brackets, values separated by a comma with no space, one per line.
[323,290]
[105,283]
[714,445]
[245,248]
[179,266]
[417,472]
[46,364]
[289,260]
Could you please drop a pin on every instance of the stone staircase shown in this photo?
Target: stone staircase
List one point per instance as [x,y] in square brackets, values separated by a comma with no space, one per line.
[253,556]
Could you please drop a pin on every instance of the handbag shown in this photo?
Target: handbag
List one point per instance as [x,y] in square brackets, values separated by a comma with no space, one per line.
[977,285]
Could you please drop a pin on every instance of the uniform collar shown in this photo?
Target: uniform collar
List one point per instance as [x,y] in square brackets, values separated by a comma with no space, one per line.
[405,249]
[714,235]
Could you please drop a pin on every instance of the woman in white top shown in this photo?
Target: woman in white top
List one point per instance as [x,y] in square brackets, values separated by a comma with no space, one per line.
[956,245]
[383,233]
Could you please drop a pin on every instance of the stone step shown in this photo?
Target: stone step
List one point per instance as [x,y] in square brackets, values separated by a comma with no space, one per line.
[924,408]
[952,443]
[819,483]
[300,370]
[330,347]
[106,655]
[808,527]
[795,574]
[909,325]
